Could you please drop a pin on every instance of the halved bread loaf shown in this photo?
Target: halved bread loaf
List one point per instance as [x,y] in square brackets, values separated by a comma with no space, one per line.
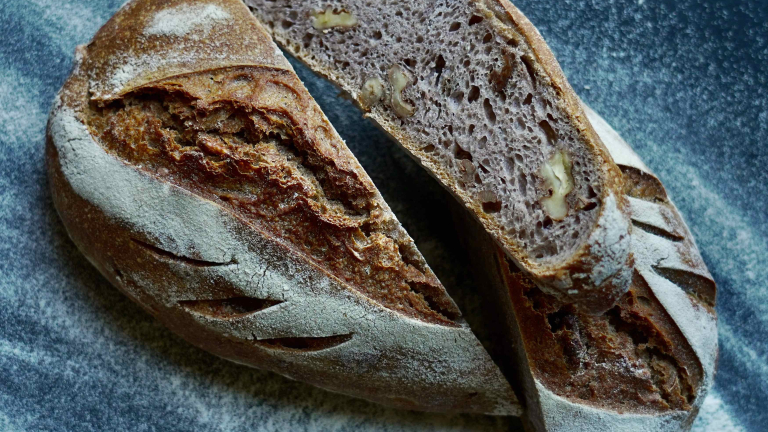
[471,90]
[192,168]
[647,363]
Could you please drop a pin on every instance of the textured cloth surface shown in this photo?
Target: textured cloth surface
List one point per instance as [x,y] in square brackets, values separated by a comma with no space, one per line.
[685,82]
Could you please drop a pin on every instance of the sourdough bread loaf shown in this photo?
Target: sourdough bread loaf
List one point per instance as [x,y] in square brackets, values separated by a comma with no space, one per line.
[471,91]
[192,168]
[647,363]
[606,330]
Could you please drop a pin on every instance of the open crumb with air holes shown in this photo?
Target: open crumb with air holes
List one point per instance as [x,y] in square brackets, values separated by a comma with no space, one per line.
[471,91]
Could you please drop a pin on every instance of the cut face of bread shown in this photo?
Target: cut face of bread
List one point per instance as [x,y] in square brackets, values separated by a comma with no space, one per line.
[646,363]
[191,166]
[472,92]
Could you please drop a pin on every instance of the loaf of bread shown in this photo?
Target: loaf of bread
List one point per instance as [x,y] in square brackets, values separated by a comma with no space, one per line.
[606,305]
[469,89]
[644,365]
[192,168]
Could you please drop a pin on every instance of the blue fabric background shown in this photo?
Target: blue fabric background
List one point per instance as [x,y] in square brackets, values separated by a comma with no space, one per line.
[684,81]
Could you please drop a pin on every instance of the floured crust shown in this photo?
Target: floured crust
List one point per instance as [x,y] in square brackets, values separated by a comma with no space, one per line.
[593,272]
[649,361]
[138,181]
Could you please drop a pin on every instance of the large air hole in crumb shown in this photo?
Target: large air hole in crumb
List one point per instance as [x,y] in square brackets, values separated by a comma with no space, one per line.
[455,26]
[474,94]
[528,99]
[463,154]
[548,131]
[489,114]
[474,19]
[439,66]
[529,68]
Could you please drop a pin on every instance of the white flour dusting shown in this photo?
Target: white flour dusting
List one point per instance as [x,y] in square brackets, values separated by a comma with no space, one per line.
[610,238]
[714,416]
[127,69]
[183,20]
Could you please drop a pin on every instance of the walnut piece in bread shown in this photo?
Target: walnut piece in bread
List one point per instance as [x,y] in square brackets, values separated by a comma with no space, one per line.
[648,362]
[329,19]
[193,169]
[485,108]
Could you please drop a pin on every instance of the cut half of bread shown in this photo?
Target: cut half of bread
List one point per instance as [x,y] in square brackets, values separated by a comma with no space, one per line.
[193,169]
[648,362]
[472,92]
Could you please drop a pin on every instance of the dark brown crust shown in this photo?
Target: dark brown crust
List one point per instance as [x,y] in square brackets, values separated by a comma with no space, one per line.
[631,358]
[252,140]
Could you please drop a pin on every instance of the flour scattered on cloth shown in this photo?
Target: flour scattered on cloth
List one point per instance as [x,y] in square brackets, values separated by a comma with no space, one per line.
[21,115]
[714,416]
[182,20]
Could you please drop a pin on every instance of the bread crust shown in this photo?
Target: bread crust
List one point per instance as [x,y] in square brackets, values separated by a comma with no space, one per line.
[219,277]
[605,248]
